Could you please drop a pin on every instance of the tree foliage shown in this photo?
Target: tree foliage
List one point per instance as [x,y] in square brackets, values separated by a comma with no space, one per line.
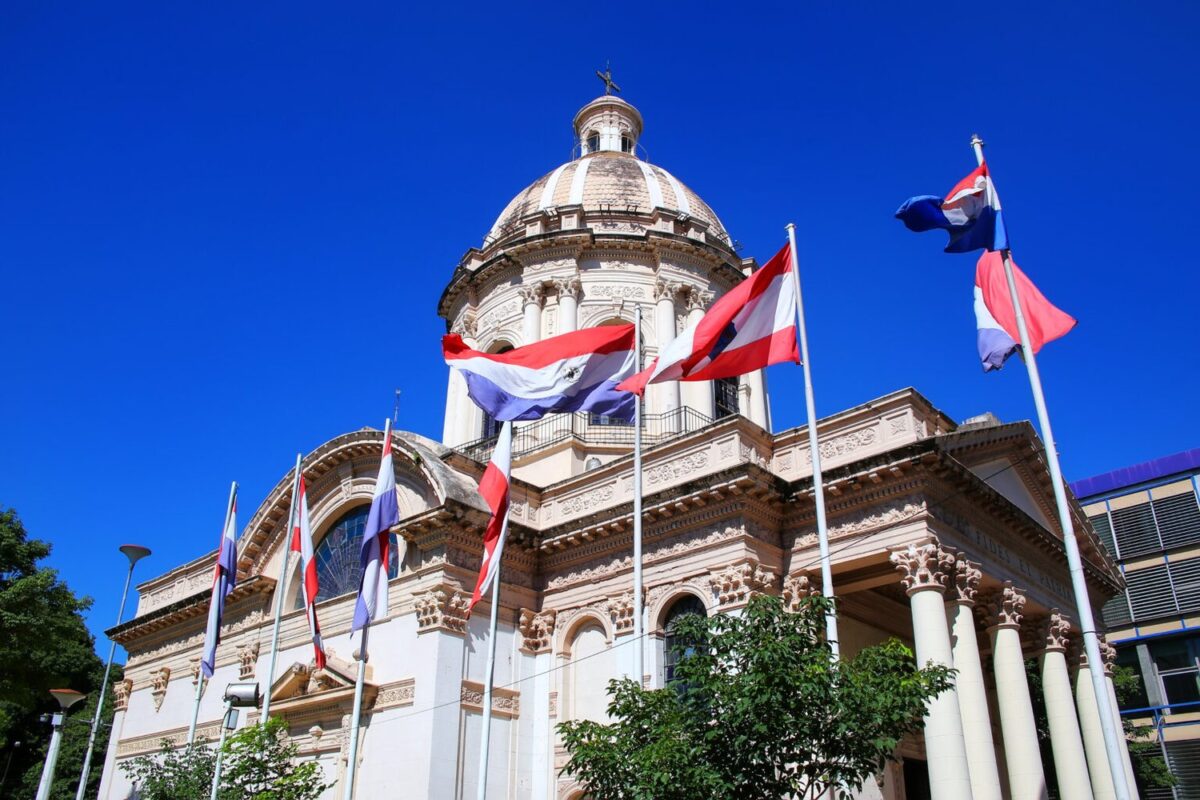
[758,709]
[44,644]
[259,763]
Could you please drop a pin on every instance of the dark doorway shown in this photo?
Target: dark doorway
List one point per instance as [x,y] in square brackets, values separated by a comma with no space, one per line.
[916,779]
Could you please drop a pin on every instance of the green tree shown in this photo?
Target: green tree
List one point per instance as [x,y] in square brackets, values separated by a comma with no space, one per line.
[259,763]
[44,644]
[758,709]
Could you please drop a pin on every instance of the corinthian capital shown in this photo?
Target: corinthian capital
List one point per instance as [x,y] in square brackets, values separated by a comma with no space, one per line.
[1007,607]
[666,290]
[923,567]
[531,293]
[1057,629]
[568,287]
[698,299]
[966,581]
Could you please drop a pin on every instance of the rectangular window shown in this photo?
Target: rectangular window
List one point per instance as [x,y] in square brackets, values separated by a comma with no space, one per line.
[1135,530]
[1104,529]
[1177,661]
[1186,577]
[1178,520]
[1135,696]
[1150,593]
[725,391]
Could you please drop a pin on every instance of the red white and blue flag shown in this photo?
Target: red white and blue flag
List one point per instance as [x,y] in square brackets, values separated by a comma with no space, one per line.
[751,327]
[577,371]
[996,321]
[372,603]
[224,580]
[302,543]
[970,213]
[493,487]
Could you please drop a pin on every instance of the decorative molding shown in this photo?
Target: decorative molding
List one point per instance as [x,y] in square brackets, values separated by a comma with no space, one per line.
[967,576]
[159,678]
[154,742]
[1006,607]
[506,703]
[845,444]
[394,695]
[441,608]
[537,630]
[121,691]
[553,705]
[620,610]
[734,585]
[621,291]
[1056,630]
[924,567]
[679,468]
[798,587]
[247,660]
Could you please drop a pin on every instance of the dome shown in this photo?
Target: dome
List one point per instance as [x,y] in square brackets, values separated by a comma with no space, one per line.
[608,180]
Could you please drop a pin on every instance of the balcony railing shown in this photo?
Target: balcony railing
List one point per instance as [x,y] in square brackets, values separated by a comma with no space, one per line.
[585,428]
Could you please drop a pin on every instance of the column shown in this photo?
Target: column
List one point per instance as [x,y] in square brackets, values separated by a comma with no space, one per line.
[925,571]
[569,290]
[698,395]
[972,691]
[1109,653]
[664,331]
[758,399]
[1093,735]
[1026,780]
[1070,763]
[532,297]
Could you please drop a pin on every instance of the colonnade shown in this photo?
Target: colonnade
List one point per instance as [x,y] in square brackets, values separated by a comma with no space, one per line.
[964,762]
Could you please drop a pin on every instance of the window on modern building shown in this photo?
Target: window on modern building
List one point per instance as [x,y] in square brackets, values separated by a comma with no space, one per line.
[1103,528]
[337,556]
[1185,576]
[1135,530]
[491,425]
[1150,593]
[1127,657]
[1178,518]
[1177,661]
[725,397]
[593,142]
[675,647]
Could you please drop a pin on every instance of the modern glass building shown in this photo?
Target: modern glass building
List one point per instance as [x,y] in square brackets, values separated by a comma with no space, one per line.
[1149,517]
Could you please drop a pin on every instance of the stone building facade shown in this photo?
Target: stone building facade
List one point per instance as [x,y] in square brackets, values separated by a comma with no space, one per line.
[942,534]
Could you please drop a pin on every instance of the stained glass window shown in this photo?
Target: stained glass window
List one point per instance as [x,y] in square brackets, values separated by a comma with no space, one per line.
[337,556]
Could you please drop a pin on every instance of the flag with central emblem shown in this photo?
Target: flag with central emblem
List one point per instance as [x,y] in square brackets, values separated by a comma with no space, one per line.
[372,603]
[751,327]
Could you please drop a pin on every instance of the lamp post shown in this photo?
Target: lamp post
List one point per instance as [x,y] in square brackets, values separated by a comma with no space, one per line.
[244,695]
[66,698]
[134,553]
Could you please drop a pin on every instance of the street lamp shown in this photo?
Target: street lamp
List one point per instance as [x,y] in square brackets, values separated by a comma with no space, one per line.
[66,698]
[135,553]
[237,695]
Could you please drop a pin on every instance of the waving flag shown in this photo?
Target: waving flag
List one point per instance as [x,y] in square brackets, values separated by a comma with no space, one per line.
[493,487]
[372,603]
[996,320]
[751,327]
[971,213]
[224,579]
[302,543]
[577,371]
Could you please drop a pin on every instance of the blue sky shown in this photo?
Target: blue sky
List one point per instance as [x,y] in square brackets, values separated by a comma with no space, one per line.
[224,228]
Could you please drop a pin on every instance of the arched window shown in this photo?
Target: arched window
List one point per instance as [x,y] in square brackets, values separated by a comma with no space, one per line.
[491,425]
[339,567]
[675,647]
[626,143]
[593,141]
[725,397]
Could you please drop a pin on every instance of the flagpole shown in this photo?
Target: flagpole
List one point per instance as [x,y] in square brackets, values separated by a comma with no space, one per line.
[639,649]
[200,675]
[281,590]
[1091,642]
[814,449]
[485,737]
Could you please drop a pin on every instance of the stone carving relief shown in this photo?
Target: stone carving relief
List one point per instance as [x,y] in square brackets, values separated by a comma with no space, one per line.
[537,630]
[441,608]
[751,455]
[121,691]
[845,445]
[966,581]
[926,566]
[401,693]
[247,660]
[159,679]
[506,703]
[586,500]
[679,468]
[492,319]
[553,705]
[620,610]
[1109,654]
[618,290]
[798,587]
[1057,630]
[898,425]
[1007,606]
[734,585]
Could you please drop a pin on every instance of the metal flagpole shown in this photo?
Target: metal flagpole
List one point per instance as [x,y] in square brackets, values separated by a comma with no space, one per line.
[831,630]
[200,676]
[134,553]
[1091,643]
[352,765]
[485,738]
[639,649]
[281,590]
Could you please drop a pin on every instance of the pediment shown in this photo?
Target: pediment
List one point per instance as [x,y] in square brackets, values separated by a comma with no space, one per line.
[305,687]
[1012,480]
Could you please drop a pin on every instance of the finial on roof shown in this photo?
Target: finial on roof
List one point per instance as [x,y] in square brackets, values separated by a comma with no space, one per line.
[606,76]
